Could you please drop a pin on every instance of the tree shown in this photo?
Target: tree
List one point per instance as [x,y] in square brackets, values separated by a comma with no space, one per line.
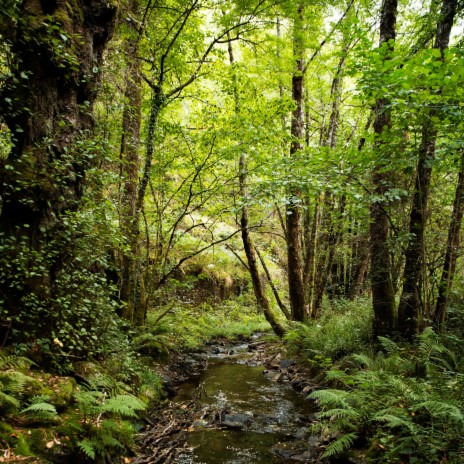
[411,305]
[56,51]
[383,297]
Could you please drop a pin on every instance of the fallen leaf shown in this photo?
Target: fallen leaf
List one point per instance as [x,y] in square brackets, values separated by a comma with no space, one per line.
[50,444]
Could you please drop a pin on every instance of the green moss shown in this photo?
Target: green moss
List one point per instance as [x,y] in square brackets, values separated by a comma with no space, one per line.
[62,392]
[15,440]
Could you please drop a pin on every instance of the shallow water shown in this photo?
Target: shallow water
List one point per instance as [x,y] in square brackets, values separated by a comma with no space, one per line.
[277,414]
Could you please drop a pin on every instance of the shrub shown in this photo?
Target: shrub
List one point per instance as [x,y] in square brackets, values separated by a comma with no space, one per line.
[343,328]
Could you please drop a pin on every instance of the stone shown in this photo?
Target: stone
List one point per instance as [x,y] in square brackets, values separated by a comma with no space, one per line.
[294,451]
[236,421]
[286,363]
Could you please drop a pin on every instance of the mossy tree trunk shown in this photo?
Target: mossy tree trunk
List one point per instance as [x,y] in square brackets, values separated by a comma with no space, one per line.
[383,296]
[56,54]
[293,218]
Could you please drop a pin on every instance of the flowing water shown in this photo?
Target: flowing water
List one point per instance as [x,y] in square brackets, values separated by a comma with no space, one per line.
[259,414]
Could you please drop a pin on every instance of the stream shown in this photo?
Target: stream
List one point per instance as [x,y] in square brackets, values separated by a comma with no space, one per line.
[259,421]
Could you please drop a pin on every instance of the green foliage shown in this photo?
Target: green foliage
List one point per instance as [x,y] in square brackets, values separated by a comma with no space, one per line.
[97,428]
[343,328]
[191,326]
[13,382]
[155,345]
[407,402]
[40,410]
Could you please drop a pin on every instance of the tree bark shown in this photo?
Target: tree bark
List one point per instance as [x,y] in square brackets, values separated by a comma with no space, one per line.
[383,297]
[293,220]
[57,50]
[411,305]
[452,249]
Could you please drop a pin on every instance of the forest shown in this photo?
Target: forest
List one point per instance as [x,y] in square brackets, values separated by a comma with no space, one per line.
[180,176]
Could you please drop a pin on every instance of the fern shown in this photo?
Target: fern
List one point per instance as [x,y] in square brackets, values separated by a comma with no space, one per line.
[389,345]
[441,409]
[12,388]
[393,421]
[97,428]
[340,445]
[123,405]
[87,447]
[152,344]
[332,398]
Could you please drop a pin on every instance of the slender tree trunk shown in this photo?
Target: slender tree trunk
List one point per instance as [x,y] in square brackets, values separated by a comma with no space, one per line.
[279,301]
[360,270]
[293,220]
[309,274]
[130,163]
[383,297]
[44,176]
[452,249]
[250,250]
[329,140]
[414,278]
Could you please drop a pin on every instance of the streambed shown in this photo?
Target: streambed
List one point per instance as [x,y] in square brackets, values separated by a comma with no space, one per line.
[255,420]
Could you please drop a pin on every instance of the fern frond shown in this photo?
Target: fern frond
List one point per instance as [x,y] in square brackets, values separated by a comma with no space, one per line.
[40,407]
[332,398]
[8,402]
[87,447]
[363,360]
[340,445]
[15,362]
[388,345]
[124,405]
[442,409]
[394,421]
[340,413]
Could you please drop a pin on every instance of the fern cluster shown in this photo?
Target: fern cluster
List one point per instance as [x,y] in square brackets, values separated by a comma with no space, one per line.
[405,402]
[97,428]
[13,382]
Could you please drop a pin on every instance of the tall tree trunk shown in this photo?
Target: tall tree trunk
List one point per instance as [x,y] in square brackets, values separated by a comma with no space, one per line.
[411,303]
[452,248]
[293,220]
[329,139]
[250,250]
[383,297]
[130,163]
[53,86]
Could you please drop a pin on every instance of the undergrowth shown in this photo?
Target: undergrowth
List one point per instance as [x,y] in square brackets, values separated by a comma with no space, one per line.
[189,326]
[344,327]
[394,402]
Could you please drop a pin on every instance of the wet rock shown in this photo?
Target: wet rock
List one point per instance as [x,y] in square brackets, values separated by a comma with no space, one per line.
[236,421]
[286,363]
[167,388]
[314,441]
[219,350]
[294,450]
[301,433]
[200,424]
